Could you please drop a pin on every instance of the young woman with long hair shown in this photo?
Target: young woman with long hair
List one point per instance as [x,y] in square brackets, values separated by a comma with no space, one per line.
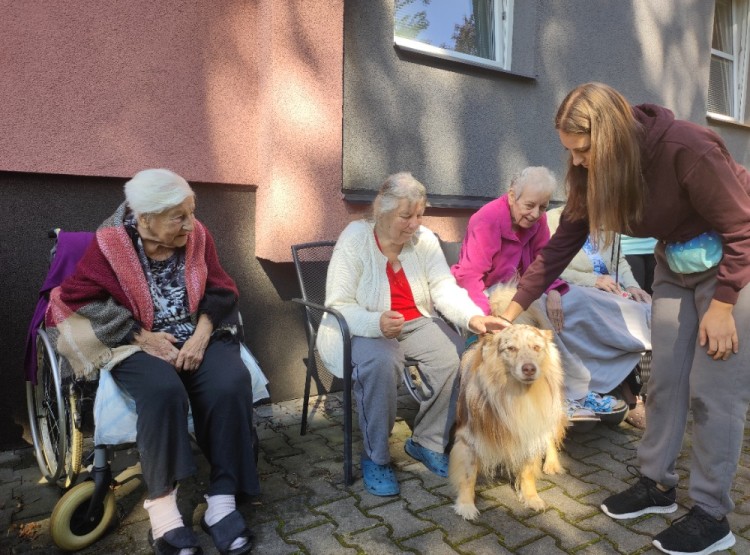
[638,170]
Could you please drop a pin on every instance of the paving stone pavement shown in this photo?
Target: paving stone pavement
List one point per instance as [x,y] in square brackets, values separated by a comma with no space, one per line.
[305,508]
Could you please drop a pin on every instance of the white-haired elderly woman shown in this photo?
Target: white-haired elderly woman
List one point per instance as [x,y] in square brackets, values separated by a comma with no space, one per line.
[388,276]
[502,239]
[150,301]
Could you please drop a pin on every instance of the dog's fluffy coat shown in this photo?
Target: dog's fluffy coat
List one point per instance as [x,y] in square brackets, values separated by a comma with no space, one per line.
[510,409]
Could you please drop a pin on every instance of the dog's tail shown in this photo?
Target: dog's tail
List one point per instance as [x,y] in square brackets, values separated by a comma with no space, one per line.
[500,296]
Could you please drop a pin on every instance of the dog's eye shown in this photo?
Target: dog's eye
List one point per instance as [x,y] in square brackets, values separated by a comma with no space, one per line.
[511,348]
[537,348]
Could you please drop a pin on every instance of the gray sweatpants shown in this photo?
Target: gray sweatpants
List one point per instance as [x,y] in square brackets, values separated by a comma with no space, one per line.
[378,363]
[684,377]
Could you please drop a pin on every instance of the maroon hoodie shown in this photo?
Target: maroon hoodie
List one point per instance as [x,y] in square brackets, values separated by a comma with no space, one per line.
[693,186]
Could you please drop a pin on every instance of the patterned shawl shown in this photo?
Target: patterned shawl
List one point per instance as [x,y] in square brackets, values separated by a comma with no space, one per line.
[94,313]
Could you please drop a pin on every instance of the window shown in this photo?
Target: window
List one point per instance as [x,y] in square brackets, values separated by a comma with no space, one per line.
[476,32]
[728,77]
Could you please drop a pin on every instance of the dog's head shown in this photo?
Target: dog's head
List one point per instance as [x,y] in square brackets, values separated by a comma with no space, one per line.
[523,352]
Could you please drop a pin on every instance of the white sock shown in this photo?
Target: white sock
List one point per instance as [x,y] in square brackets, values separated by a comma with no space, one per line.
[163,514]
[220,506]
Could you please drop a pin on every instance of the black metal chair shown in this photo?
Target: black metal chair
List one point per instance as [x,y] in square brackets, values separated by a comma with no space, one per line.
[311,262]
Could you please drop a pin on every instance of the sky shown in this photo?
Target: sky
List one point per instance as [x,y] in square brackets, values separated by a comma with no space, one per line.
[443,16]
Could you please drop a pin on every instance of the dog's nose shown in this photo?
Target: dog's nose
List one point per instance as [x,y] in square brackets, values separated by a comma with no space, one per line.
[528,369]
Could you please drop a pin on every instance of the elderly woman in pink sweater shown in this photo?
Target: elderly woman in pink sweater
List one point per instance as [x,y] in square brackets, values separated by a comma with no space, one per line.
[502,240]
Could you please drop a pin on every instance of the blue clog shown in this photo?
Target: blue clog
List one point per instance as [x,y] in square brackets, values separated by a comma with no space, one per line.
[379,479]
[437,463]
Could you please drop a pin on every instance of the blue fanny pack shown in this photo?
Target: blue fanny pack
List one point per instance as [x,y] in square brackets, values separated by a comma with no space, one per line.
[698,254]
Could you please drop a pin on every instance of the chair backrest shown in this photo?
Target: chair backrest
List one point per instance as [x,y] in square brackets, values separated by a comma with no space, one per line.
[311,263]
[451,250]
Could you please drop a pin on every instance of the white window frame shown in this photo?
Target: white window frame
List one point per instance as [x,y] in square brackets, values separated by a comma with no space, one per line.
[739,57]
[503,21]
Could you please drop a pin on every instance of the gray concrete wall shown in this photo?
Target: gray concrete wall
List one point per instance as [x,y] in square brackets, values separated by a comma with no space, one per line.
[30,204]
[464,130]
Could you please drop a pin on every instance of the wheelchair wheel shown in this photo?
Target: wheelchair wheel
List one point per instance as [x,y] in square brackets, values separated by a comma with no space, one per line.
[57,438]
[68,526]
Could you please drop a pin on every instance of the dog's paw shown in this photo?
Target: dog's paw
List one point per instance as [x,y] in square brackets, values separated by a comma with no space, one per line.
[535,503]
[466,510]
[553,467]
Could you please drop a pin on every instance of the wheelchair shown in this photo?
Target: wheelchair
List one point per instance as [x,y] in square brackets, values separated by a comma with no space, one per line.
[56,407]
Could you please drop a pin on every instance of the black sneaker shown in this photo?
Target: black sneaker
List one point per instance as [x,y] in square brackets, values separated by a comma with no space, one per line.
[697,533]
[642,498]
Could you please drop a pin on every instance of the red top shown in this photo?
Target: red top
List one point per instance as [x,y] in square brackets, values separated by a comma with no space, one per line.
[402,299]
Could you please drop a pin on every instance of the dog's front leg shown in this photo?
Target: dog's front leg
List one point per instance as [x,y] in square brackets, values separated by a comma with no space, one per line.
[552,463]
[462,472]
[527,486]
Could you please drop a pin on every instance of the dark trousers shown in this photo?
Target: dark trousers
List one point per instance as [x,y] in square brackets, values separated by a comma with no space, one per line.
[220,394]
[643,266]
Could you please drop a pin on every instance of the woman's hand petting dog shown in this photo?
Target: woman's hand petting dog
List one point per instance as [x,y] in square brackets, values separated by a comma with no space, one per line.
[487,324]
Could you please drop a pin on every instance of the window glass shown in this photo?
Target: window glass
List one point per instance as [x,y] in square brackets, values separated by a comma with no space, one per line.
[723,26]
[467,30]
[457,25]
[728,73]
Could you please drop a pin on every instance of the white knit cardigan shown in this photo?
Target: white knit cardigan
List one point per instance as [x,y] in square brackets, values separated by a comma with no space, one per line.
[358,287]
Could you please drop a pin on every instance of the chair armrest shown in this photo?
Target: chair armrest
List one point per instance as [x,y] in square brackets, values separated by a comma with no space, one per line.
[345,335]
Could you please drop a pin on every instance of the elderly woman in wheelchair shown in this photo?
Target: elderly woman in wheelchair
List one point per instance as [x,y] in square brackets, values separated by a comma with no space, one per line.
[150,302]
[387,276]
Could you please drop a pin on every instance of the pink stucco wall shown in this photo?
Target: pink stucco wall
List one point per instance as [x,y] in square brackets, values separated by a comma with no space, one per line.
[228,92]
[300,128]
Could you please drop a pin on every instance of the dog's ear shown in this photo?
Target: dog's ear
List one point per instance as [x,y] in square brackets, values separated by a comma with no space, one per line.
[478,353]
[490,345]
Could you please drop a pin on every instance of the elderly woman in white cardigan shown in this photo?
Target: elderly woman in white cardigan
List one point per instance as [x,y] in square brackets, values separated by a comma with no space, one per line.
[388,276]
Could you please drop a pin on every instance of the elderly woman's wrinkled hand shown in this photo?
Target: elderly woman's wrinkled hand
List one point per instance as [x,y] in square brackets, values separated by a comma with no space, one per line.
[191,354]
[608,284]
[391,323]
[638,294]
[554,310]
[159,344]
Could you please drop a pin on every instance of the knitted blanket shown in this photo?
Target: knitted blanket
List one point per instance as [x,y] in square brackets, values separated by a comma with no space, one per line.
[92,316]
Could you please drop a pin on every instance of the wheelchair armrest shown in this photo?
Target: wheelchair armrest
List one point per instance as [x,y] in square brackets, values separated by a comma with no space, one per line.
[345,335]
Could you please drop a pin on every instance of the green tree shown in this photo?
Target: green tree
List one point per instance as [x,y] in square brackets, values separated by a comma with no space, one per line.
[409,25]
[465,36]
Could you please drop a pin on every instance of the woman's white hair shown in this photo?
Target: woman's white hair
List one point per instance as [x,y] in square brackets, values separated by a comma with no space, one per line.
[539,178]
[395,188]
[156,190]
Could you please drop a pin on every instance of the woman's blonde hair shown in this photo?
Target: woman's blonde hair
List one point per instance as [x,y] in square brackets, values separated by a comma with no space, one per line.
[611,191]
[398,186]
